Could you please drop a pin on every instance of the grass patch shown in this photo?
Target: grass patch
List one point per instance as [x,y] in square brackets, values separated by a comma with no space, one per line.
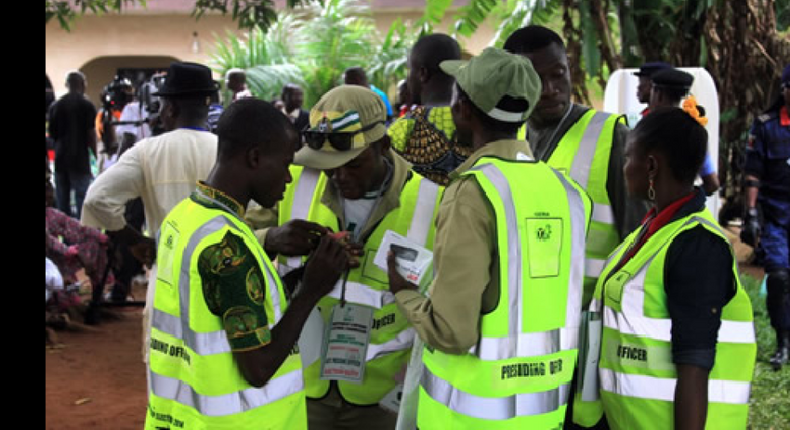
[770,399]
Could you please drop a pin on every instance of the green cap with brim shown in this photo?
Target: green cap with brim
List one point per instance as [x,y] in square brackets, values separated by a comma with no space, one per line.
[344,109]
[494,74]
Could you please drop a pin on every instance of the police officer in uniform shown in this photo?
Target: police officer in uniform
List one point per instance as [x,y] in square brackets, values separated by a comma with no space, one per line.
[767,186]
[645,86]
[670,86]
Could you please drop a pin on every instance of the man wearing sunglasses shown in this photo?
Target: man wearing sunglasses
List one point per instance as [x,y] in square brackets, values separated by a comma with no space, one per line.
[347,179]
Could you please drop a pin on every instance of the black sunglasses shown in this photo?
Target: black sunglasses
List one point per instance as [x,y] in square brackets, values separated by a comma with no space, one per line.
[340,141]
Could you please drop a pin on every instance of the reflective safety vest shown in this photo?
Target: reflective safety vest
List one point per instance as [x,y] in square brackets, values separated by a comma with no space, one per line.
[583,153]
[519,373]
[391,336]
[637,376]
[194,380]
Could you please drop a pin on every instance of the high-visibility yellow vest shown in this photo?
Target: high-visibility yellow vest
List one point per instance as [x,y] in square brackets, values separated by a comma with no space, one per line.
[637,376]
[583,153]
[194,381]
[391,336]
[519,373]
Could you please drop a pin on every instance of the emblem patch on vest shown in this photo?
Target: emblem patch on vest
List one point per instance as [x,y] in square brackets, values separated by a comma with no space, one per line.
[544,237]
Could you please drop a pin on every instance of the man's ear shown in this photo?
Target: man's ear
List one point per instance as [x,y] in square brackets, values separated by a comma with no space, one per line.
[254,157]
[385,144]
[424,74]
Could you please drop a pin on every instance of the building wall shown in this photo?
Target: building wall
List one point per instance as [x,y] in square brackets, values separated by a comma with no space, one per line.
[99,45]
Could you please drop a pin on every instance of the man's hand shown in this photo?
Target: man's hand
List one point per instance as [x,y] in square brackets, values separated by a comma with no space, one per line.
[397,281]
[354,250]
[324,268]
[751,230]
[296,237]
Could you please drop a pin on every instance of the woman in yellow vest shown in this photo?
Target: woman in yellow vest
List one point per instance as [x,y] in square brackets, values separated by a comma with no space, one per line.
[677,346]
[223,328]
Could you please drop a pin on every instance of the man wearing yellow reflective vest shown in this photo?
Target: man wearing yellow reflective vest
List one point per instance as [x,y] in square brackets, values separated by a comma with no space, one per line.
[223,328]
[501,321]
[582,142]
[349,180]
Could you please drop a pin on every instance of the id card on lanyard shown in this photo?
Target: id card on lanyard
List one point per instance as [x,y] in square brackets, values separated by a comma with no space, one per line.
[345,345]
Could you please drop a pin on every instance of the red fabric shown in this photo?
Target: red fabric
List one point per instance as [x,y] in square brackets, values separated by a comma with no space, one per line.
[784,118]
[655,222]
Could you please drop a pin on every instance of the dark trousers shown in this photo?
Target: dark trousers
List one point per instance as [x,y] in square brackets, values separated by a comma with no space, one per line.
[65,182]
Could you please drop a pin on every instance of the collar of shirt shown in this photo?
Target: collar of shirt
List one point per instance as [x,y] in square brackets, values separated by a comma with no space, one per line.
[655,221]
[294,114]
[507,149]
[784,118]
[208,195]
[401,173]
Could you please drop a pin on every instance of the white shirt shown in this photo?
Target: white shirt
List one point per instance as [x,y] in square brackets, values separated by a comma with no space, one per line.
[134,112]
[162,170]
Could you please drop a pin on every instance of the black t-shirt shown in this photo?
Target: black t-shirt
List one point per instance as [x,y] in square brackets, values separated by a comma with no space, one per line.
[71,119]
[699,282]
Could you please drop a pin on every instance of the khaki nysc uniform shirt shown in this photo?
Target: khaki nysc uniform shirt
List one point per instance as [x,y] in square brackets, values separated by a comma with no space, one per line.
[261,219]
[466,261]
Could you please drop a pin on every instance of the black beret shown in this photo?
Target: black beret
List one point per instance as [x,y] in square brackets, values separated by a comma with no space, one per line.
[648,69]
[673,78]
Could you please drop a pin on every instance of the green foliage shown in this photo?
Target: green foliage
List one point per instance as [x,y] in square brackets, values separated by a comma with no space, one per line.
[313,46]
[66,11]
[472,15]
[519,13]
[769,404]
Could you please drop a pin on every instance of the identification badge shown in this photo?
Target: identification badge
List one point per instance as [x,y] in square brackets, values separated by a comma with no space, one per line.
[590,350]
[346,343]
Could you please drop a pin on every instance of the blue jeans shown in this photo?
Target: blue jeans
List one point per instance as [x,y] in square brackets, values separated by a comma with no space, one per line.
[67,181]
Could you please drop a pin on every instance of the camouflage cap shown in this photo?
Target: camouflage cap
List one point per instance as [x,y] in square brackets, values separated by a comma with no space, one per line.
[348,109]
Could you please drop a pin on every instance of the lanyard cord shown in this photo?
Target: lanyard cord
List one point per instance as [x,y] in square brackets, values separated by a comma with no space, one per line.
[381,192]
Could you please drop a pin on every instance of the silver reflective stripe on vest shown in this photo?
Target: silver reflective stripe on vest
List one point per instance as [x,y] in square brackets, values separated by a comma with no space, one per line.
[402,341]
[540,343]
[529,344]
[303,198]
[576,278]
[508,345]
[632,319]
[212,342]
[493,408]
[582,161]
[655,388]
[419,228]
[422,218]
[362,294]
[602,213]
[228,404]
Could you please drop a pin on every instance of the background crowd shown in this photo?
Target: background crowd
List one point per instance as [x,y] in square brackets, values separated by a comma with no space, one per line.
[114,172]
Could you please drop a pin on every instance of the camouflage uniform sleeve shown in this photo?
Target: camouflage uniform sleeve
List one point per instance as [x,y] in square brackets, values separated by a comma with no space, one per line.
[233,288]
